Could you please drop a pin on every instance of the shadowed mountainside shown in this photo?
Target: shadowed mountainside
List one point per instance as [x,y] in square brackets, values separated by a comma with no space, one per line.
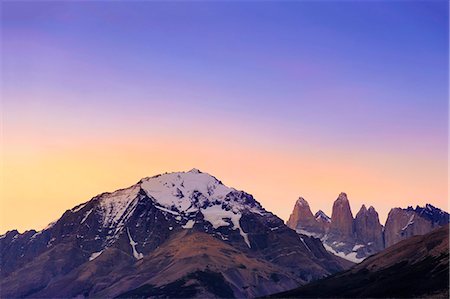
[414,268]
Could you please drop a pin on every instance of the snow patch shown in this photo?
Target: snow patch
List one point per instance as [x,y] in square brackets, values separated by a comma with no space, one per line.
[307,233]
[167,210]
[86,216]
[304,243]
[35,235]
[133,244]
[358,246]
[217,216]
[410,222]
[76,209]
[95,255]
[189,224]
[349,257]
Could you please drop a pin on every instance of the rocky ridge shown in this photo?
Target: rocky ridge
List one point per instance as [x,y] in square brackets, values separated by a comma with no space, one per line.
[357,238]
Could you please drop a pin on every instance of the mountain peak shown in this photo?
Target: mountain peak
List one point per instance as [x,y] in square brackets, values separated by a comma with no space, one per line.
[342,196]
[302,202]
[301,217]
[182,194]
[341,217]
[194,170]
[320,215]
[363,209]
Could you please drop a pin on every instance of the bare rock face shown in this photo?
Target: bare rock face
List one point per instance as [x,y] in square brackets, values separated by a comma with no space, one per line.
[404,223]
[368,231]
[323,220]
[303,221]
[356,239]
[342,219]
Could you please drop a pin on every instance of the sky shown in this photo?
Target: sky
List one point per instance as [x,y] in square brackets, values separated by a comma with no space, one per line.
[280,99]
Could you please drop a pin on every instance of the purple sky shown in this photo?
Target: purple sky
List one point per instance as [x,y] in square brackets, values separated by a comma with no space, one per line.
[341,78]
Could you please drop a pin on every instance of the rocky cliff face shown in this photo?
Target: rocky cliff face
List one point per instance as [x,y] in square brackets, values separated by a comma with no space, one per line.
[356,239]
[352,239]
[368,231]
[175,230]
[404,223]
[341,227]
[323,220]
[302,219]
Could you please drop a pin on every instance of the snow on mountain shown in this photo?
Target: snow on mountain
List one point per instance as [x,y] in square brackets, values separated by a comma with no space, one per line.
[177,190]
[182,194]
[118,205]
[117,232]
[188,193]
[320,215]
[133,244]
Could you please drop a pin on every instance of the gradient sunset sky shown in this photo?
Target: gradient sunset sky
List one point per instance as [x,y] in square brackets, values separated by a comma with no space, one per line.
[280,99]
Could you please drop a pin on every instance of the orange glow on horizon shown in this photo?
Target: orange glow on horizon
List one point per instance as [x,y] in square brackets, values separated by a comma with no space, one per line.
[39,183]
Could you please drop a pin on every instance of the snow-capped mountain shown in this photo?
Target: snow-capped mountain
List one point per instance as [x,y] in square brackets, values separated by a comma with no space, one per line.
[165,230]
[357,238]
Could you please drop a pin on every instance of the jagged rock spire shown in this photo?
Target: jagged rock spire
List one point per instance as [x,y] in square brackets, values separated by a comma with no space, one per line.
[301,216]
[368,228]
[341,217]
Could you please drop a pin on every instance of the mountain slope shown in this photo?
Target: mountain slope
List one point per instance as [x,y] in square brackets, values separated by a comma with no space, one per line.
[416,267]
[102,247]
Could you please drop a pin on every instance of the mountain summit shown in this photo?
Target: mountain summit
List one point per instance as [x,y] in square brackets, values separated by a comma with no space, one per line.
[341,219]
[183,230]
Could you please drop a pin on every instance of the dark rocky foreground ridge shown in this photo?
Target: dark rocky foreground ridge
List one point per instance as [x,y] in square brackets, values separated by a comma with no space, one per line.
[359,237]
[414,268]
[178,231]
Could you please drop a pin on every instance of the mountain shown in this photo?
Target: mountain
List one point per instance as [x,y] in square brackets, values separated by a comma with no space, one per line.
[417,267]
[181,231]
[404,223]
[341,227]
[357,238]
[352,239]
[323,220]
[339,239]
[302,214]
[368,231]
